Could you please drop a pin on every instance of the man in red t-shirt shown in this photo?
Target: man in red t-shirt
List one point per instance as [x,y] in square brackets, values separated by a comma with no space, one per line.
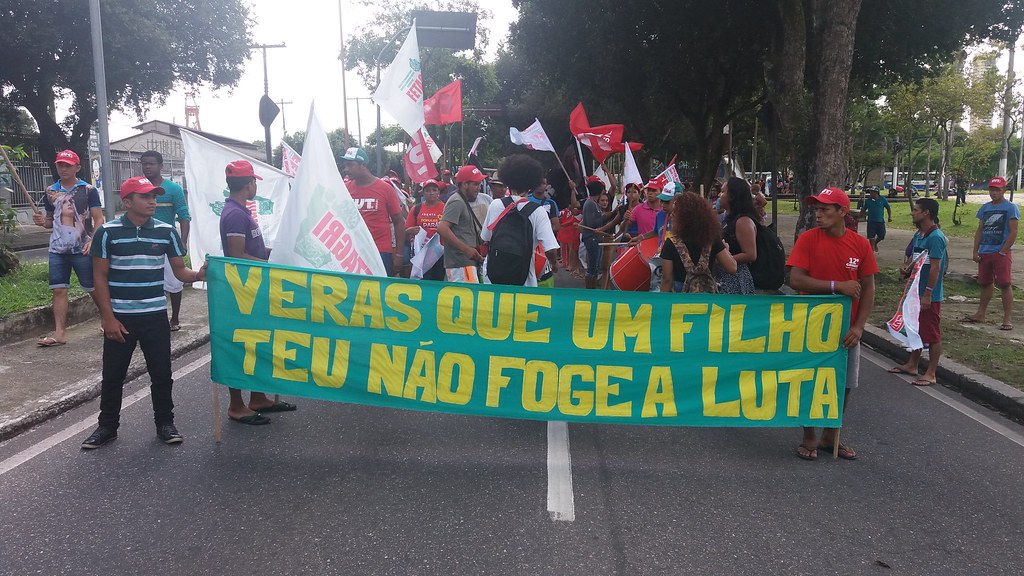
[378,205]
[830,259]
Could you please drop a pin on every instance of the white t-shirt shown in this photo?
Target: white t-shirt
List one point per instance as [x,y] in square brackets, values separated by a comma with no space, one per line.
[542,232]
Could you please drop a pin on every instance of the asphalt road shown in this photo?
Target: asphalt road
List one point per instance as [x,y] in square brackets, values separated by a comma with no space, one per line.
[344,489]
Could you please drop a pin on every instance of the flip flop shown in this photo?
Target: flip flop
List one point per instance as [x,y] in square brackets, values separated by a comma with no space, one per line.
[808,453]
[845,452]
[175,327]
[923,382]
[1006,327]
[969,320]
[281,406]
[900,370]
[49,342]
[252,420]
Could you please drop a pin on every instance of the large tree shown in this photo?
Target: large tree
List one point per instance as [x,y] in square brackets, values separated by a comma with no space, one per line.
[675,73]
[149,46]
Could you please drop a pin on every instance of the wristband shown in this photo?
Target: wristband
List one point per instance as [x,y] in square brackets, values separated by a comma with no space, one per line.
[928,288]
[1002,253]
[833,286]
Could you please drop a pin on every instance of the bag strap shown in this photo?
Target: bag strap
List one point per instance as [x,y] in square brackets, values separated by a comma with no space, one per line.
[508,206]
[476,222]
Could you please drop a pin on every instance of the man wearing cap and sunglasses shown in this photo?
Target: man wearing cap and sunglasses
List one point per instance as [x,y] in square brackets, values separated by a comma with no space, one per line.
[128,263]
[74,212]
[996,234]
[378,205]
[830,259]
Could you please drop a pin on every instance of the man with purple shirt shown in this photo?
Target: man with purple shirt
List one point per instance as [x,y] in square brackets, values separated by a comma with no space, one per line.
[242,238]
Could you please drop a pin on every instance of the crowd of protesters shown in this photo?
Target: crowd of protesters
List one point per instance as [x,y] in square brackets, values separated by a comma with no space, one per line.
[685,242]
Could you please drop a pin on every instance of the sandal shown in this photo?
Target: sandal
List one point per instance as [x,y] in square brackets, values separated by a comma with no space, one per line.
[806,452]
[49,342]
[1006,327]
[845,452]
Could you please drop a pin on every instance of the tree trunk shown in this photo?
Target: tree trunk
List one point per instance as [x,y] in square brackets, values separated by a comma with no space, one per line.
[833,31]
[784,79]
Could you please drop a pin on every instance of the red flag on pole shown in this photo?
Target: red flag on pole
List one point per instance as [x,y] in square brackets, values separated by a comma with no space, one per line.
[418,164]
[444,107]
[600,139]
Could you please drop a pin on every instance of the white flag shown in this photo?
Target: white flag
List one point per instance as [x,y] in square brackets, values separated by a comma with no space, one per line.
[289,159]
[630,173]
[427,253]
[533,137]
[600,173]
[321,225]
[207,190]
[400,92]
[904,324]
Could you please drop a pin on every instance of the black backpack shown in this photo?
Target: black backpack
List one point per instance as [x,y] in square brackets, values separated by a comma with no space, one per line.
[769,270]
[510,251]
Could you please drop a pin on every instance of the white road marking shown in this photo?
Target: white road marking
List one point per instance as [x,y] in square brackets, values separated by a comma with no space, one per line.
[86,423]
[560,499]
[967,409]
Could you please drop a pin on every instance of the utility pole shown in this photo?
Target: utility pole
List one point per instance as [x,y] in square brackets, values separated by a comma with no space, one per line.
[268,110]
[359,120]
[341,56]
[1007,102]
[284,126]
[106,172]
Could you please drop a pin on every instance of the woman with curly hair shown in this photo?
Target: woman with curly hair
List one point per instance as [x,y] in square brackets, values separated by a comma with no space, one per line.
[695,245]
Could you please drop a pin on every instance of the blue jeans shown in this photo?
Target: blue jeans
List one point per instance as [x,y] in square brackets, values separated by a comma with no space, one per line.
[389,264]
[152,333]
[61,266]
[593,256]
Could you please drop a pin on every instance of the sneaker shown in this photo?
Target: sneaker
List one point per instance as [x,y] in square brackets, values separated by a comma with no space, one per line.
[101,436]
[168,434]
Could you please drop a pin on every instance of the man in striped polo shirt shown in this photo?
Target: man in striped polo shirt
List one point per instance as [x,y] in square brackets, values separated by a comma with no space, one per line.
[128,267]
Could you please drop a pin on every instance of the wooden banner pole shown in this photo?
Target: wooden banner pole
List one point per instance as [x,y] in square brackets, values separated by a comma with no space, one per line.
[216,413]
[14,172]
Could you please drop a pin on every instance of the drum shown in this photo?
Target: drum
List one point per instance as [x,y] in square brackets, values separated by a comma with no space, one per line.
[631,271]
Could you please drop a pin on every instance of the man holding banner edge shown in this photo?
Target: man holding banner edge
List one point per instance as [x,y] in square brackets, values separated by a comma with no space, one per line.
[830,260]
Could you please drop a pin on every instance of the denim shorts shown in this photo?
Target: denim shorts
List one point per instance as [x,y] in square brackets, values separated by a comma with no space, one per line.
[60,270]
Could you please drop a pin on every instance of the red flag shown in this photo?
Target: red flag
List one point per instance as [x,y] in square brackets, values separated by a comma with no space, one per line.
[621,146]
[444,107]
[600,139]
[418,164]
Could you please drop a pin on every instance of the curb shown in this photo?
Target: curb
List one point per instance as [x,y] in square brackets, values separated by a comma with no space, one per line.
[968,381]
[81,392]
[38,321]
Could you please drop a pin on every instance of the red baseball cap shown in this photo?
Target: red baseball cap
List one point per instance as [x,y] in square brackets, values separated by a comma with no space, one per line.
[469,173]
[138,185]
[997,182]
[593,178]
[830,196]
[657,183]
[240,168]
[433,183]
[67,157]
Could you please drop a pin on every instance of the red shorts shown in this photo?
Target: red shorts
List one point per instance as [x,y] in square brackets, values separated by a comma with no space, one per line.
[928,324]
[994,268]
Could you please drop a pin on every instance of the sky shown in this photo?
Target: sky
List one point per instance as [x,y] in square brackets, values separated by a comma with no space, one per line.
[307,69]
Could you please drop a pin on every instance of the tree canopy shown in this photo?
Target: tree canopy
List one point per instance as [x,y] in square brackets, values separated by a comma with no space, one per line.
[149,48]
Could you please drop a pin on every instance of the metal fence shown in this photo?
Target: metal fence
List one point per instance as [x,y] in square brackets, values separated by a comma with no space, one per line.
[38,177]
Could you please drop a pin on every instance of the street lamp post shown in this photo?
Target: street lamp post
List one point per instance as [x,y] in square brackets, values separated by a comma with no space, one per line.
[106,171]
[268,109]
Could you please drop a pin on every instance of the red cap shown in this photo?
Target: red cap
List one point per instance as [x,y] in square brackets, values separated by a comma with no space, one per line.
[433,183]
[138,185]
[899,188]
[830,196]
[657,183]
[469,173]
[67,157]
[593,178]
[241,169]
[997,182]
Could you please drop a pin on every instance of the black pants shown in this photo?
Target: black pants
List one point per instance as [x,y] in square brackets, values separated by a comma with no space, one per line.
[153,334]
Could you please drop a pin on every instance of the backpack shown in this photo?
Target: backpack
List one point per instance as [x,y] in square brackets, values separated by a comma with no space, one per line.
[510,251]
[698,276]
[769,270]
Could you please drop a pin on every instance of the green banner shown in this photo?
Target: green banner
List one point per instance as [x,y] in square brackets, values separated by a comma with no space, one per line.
[545,354]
